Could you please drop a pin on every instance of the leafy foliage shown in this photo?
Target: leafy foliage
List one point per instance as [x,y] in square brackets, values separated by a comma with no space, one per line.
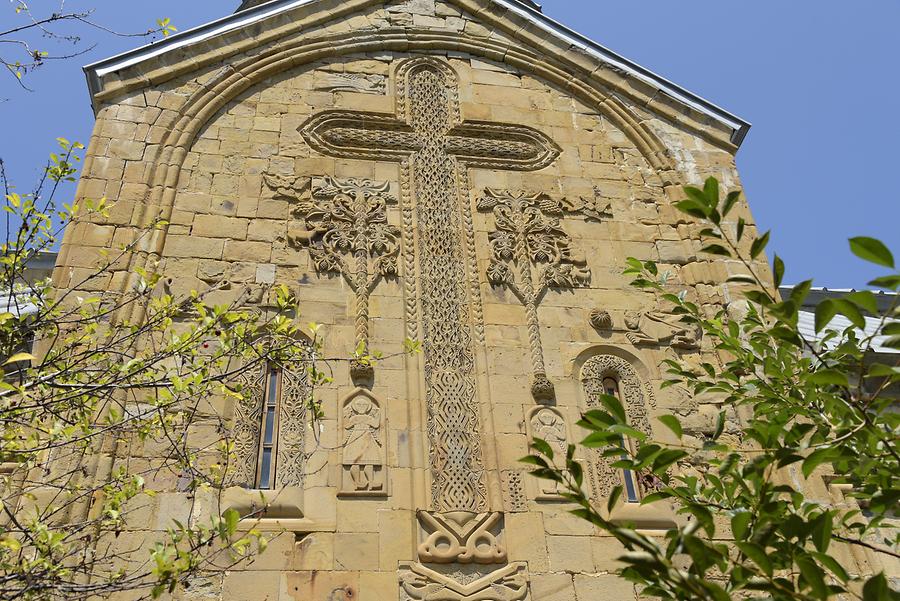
[798,411]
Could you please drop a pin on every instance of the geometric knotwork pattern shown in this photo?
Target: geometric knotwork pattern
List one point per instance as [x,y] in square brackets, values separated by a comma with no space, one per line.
[432,143]
[594,371]
[290,454]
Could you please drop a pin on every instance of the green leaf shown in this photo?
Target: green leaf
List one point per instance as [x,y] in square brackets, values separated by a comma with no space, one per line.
[877,589]
[825,377]
[758,555]
[232,517]
[800,292]
[20,357]
[817,458]
[825,312]
[720,425]
[711,191]
[614,495]
[890,282]
[730,200]
[821,534]
[779,270]
[542,447]
[672,423]
[614,406]
[716,249]
[864,299]
[872,250]
[813,575]
[759,245]
[739,524]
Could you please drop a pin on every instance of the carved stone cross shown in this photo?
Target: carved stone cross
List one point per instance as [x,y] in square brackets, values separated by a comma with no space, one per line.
[434,146]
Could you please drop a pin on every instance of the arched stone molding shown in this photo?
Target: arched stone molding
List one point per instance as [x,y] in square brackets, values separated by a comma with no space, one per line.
[637,398]
[204,104]
[364,470]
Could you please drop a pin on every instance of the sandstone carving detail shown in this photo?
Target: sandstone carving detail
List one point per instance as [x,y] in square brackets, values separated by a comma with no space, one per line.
[531,253]
[514,491]
[432,143]
[461,537]
[363,466]
[291,454]
[594,371]
[347,232]
[419,583]
[660,328]
[350,82]
[548,424]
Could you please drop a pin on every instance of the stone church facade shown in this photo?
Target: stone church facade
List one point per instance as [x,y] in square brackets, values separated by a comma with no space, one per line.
[465,173]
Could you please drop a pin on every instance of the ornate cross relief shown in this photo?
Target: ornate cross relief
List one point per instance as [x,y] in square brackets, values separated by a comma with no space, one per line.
[531,253]
[347,232]
[435,147]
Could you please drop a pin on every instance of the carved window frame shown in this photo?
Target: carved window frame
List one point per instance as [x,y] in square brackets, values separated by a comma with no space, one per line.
[634,394]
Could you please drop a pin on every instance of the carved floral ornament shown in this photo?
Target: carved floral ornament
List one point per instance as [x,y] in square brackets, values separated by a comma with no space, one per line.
[461,537]
[347,232]
[532,253]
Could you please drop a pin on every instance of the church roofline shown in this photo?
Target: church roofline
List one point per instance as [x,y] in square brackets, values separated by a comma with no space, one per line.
[95,71]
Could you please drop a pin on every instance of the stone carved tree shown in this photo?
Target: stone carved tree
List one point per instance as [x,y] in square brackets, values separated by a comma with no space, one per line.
[347,232]
[531,253]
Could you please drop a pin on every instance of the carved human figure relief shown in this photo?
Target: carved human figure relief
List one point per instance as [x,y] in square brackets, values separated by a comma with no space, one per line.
[419,583]
[549,425]
[635,395]
[363,466]
[532,253]
[433,146]
[461,537]
[347,232]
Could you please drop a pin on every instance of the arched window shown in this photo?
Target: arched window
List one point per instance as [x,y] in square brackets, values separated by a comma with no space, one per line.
[632,489]
[612,375]
[270,426]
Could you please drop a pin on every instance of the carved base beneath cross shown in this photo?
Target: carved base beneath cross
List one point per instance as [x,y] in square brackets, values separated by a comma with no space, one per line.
[363,480]
[542,389]
[362,374]
[463,583]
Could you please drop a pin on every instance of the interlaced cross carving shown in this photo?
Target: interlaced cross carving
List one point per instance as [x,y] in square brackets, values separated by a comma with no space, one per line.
[347,218]
[531,253]
[433,144]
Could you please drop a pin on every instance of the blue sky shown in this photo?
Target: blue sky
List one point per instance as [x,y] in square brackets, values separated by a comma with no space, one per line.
[817,78]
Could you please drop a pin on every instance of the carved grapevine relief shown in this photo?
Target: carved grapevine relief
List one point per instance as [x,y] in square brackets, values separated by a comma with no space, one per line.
[433,144]
[514,491]
[347,232]
[594,371]
[363,467]
[461,537]
[531,253]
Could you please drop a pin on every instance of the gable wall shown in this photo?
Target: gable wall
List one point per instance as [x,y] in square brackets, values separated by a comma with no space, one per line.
[228,225]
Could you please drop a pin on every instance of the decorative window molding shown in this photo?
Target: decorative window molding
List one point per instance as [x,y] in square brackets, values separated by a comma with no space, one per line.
[597,374]
[270,427]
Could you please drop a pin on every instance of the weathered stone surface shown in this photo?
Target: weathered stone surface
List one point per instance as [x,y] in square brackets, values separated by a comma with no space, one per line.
[491,216]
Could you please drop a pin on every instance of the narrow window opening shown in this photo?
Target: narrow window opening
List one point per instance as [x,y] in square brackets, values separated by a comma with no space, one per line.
[632,491]
[268,447]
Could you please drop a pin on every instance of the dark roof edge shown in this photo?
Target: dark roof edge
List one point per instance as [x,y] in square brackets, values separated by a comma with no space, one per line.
[95,71]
